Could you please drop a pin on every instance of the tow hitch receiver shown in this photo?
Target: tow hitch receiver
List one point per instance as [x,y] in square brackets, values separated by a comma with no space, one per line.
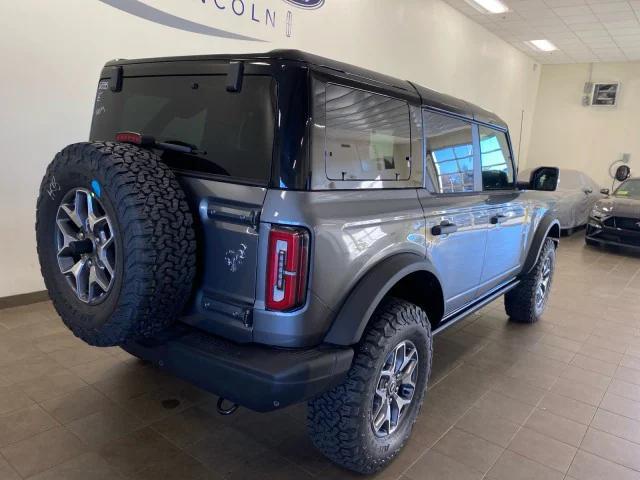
[226,411]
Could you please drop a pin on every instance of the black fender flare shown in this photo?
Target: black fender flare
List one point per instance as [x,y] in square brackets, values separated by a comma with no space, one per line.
[364,298]
[547,223]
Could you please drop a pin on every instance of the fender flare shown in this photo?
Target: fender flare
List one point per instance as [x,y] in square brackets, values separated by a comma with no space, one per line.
[364,298]
[549,220]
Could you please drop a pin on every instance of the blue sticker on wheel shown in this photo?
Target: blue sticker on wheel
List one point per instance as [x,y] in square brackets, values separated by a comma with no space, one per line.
[95,185]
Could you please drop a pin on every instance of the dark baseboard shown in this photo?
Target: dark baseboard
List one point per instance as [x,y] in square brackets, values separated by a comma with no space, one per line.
[23,299]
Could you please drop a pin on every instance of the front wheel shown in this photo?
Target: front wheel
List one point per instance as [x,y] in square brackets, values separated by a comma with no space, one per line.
[526,302]
[364,422]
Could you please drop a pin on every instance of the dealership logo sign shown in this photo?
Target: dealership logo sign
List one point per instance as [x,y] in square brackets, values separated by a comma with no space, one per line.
[270,17]
[306,4]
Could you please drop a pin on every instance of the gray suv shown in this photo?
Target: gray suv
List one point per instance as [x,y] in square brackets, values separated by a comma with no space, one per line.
[280,227]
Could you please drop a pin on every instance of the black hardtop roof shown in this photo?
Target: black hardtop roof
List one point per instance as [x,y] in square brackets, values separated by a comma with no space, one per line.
[429,98]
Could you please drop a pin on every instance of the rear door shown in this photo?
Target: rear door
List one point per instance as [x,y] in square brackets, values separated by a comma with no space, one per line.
[455,209]
[225,178]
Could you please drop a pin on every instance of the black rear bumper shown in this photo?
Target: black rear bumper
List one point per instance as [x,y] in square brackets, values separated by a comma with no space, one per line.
[251,375]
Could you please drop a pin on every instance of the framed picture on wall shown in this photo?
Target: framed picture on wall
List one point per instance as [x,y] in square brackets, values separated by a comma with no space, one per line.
[605,94]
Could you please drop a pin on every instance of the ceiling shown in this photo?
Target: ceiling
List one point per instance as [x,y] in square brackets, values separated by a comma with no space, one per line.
[584,31]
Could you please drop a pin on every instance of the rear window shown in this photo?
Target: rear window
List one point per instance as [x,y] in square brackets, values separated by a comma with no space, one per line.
[233,132]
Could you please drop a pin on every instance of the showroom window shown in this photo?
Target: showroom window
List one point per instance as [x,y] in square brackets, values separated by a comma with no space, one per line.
[368,136]
[497,165]
[449,153]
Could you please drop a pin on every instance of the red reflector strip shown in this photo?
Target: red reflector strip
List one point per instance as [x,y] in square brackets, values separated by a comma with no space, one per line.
[129,137]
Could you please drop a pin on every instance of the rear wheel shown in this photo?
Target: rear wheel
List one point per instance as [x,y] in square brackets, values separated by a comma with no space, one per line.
[363,423]
[526,302]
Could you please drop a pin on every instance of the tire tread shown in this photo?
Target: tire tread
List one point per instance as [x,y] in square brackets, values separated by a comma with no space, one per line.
[520,302]
[158,238]
[333,417]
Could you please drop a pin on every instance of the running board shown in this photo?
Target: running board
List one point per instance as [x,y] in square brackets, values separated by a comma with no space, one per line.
[477,305]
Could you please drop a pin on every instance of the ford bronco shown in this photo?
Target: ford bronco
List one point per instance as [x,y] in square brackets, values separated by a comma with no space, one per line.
[280,227]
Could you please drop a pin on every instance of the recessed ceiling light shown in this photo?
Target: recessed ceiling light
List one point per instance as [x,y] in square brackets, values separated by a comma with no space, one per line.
[489,6]
[542,45]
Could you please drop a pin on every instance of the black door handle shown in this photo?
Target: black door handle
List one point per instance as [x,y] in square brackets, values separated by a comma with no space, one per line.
[496,219]
[444,228]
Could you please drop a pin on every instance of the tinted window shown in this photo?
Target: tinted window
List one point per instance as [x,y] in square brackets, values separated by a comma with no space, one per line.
[233,131]
[629,189]
[368,136]
[449,153]
[497,166]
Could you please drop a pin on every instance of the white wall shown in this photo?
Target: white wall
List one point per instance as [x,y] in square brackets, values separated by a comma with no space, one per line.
[51,53]
[586,138]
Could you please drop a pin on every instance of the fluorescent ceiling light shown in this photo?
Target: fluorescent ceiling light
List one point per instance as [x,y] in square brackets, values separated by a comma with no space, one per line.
[542,45]
[489,6]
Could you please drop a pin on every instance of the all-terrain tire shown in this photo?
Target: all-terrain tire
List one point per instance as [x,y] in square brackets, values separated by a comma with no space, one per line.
[520,302]
[154,235]
[339,421]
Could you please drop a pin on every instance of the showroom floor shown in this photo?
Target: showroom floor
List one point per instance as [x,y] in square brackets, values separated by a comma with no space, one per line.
[559,399]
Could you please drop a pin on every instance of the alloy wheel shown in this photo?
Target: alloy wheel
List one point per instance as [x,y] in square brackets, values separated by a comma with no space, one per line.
[544,283]
[85,245]
[395,389]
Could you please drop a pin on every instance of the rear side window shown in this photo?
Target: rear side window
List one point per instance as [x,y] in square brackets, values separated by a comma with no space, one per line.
[368,136]
[495,155]
[449,153]
[233,132]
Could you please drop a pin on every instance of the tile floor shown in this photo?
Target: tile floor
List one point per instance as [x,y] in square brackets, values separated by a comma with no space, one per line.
[559,399]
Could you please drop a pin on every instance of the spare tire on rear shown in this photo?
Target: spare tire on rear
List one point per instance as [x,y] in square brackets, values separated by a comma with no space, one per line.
[115,241]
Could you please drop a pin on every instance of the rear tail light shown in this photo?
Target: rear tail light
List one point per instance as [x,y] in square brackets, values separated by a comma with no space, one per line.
[287,268]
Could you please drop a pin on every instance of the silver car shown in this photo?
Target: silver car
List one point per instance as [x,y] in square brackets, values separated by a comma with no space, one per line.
[574,193]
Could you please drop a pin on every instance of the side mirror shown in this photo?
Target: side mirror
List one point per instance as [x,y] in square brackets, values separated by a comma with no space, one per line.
[604,191]
[545,179]
[622,173]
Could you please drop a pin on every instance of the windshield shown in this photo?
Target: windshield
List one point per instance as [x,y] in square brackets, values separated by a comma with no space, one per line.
[629,189]
[232,132]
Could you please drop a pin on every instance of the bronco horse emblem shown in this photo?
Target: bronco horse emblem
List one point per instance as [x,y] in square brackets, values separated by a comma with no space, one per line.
[235,258]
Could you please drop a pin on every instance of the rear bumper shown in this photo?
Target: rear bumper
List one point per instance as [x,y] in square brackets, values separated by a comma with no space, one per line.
[254,376]
[599,232]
